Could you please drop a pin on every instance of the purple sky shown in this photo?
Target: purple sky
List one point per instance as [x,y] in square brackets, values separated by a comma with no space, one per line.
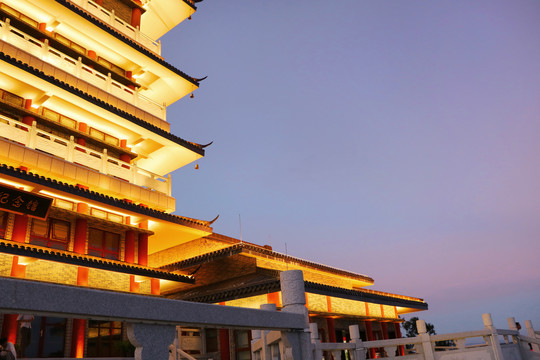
[398,139]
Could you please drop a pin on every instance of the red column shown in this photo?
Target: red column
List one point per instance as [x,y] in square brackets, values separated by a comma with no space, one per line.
[129,255]
[19,228]
[384,331]
[330,324]
[79,244]
[273,298]
[136,17]
[143,249]
[369,333]
[224,346]
[79,247]
[77,340]
[154,286]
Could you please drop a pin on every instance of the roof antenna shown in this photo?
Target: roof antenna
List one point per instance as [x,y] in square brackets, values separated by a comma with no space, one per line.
[286,256]
[240,222]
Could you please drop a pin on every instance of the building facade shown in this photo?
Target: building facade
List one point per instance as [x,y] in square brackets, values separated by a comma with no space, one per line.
[86,154]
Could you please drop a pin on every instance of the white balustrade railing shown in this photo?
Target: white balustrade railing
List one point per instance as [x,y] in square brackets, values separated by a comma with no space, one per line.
[111,19]
[486,344]
[75,67]
[69,150]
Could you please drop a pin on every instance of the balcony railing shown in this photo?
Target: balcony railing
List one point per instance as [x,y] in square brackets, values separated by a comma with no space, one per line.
[43,51]
[69,150]
[111,19]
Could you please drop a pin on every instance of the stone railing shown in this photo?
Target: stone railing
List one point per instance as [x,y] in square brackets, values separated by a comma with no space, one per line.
[33,138]
[112,20]
[75,67]
[486,344]
[151,321]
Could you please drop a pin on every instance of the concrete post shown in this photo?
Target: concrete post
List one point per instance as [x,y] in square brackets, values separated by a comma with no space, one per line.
[359,352]
[513,326]
[494,338]
[532,334]
[151,341]
[314,329]
[427,346]
[266,351]
[297,344]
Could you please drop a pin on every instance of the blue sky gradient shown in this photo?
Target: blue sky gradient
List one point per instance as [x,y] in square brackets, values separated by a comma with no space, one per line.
[398,139]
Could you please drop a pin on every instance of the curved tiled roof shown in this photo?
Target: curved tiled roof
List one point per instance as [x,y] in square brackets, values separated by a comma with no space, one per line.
[21,65]
[365,295]
[127,40]
[273,285]
[246,247]
[92,195]
[38,252]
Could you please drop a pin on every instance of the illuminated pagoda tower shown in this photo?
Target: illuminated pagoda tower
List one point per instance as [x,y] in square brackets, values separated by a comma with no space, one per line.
[85,153]
[85,190]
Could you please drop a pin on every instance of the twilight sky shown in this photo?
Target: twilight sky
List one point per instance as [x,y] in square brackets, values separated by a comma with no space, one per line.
[397,139]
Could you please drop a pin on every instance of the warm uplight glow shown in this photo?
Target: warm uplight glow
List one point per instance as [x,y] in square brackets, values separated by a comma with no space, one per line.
[54,195]
[16,185]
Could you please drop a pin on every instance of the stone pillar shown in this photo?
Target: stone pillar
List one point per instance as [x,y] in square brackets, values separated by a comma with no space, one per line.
[532,334]
[266,352]
[297,344]
[314,330]
[151,341]
[359,352]
[427,347]
[494,338]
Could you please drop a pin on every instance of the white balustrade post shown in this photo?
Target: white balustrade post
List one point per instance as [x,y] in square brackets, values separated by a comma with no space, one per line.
[6,29]
[427,346]
[108,83]
[137,33]
[78,67]
[32,134]
[317,353]
[513,326]
[84,4]
[159,47]
[45,49]
[169,185]
[494,337]
[70,149]
[359,352]
[104,162]
[266,351]
[531,333]
[134,171]
[112,17]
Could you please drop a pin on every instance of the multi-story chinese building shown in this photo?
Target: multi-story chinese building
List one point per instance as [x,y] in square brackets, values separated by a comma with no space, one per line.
[85,186]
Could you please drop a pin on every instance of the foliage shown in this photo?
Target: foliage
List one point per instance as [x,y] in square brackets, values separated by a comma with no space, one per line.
[410,327]
[411,331]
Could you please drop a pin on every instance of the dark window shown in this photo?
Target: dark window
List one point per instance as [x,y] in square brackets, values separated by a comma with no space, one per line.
[48,336]
[242,339]
[104,339]
[52,233]
[104,244]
